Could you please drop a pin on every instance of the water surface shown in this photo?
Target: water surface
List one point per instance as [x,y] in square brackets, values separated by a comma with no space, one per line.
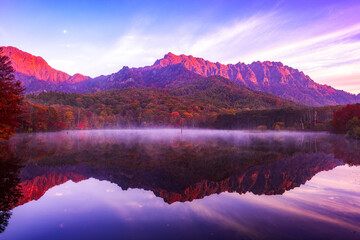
[168,183]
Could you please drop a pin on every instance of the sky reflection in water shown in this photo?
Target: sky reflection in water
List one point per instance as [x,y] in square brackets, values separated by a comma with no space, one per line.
[327,206]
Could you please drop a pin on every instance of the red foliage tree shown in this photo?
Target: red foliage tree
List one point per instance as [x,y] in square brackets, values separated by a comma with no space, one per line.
[81,125]
[343,116]
[11,96]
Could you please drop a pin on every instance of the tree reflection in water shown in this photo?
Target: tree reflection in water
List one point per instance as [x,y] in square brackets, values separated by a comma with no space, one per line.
[10,190]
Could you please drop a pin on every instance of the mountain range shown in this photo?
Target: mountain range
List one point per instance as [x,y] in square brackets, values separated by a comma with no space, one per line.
[174,72]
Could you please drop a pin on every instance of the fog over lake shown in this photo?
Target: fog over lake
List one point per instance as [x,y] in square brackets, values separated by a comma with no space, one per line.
[180,183]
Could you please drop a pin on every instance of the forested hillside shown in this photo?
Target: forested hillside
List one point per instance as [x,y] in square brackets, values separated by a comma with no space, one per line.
[123,108]
[223,93]
[194,106]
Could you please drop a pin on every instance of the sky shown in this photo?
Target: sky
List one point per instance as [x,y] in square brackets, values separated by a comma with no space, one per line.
[319,37]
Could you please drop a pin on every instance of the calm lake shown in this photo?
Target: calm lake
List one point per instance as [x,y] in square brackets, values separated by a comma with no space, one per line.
[173,184]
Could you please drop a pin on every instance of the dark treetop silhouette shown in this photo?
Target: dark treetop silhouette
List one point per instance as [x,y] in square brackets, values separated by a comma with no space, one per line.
[10,98]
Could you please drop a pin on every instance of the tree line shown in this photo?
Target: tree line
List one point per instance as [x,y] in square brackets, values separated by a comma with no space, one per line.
[147,107]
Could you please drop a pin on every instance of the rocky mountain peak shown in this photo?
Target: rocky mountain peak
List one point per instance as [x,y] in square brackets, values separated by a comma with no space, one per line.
[36,67]
[272,77]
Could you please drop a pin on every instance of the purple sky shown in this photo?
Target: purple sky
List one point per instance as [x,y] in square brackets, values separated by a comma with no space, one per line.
[321,38]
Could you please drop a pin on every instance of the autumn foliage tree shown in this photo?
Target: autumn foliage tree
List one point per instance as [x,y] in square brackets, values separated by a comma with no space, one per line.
[347,120]
[11,96]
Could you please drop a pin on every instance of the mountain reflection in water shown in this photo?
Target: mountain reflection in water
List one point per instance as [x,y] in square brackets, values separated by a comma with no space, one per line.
[178,166]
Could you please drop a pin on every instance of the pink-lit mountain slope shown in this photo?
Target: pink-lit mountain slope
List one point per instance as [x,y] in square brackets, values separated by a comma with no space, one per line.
[35,72]
[174,71]
[271,77]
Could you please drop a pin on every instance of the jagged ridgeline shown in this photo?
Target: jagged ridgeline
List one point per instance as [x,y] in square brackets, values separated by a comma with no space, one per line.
[174,71]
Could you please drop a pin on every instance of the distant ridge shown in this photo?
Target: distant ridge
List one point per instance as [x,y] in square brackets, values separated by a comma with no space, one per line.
[271,77]
[173,71]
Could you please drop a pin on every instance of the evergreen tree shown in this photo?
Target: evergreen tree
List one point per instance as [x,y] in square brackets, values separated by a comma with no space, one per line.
[11,96]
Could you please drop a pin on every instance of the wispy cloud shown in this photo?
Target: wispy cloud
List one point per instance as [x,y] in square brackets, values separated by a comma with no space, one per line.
[237,34]
[327,48]
[139,47]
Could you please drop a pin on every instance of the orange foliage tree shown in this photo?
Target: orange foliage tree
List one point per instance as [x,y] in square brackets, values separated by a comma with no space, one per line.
[11,96]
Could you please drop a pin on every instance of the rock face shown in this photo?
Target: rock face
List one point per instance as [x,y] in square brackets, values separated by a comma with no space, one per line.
[271,77]
[35,70]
